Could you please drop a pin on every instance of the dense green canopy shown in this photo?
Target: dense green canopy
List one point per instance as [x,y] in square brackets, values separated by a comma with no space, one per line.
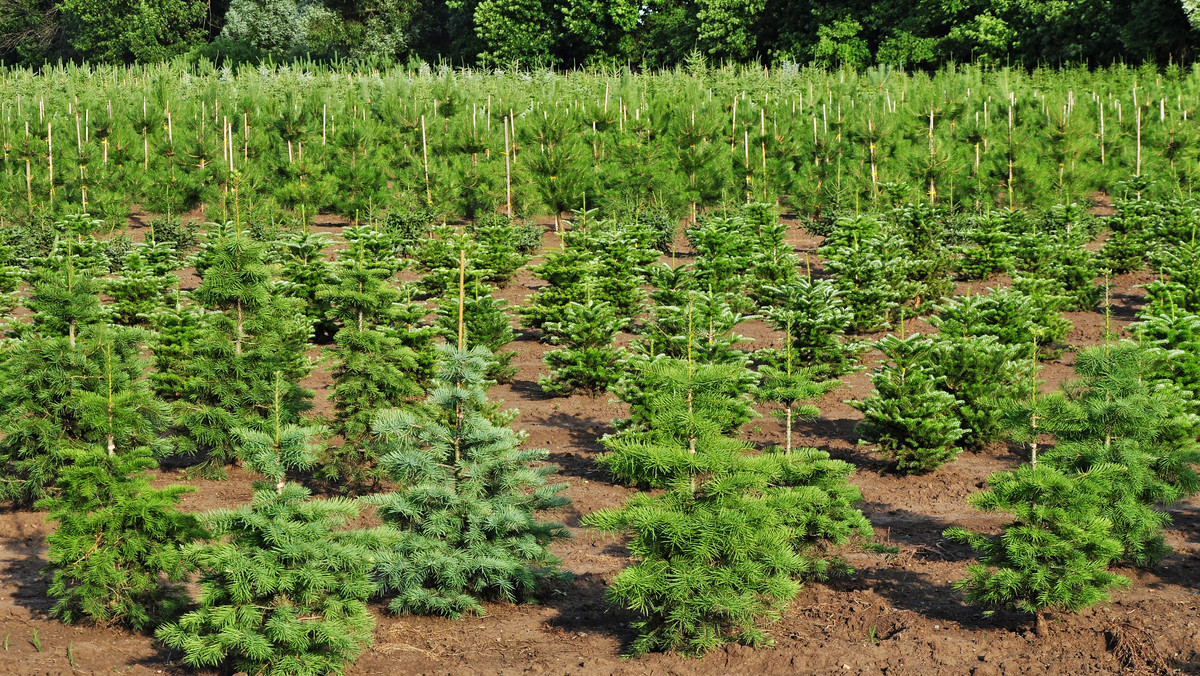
[605,32]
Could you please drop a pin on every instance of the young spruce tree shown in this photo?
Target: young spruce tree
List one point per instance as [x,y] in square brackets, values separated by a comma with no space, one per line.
[283,588]
[115,554]
[909,417]
[463,519]
[1054,554]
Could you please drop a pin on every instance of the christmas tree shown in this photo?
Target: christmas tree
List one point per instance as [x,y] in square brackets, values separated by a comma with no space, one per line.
[1055,553]
[464,516]
[256,333]
[1113,415]
[909,417]
[115,553]
[586,359]
[720,552]
[283,586]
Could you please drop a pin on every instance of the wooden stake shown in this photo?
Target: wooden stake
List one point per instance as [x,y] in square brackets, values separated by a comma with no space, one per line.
[462,293]
[507,172]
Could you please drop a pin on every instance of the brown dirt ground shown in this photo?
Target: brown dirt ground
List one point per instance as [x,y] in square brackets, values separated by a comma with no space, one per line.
[897,614]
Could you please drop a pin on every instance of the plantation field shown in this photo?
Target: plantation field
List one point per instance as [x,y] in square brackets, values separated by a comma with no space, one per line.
[305,370]
[896,614]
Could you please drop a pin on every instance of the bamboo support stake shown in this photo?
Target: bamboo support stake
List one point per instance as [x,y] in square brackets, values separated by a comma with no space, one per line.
[507,172]
[462,293]
[1138,171]
[50,158]
[425,155]
[746,147]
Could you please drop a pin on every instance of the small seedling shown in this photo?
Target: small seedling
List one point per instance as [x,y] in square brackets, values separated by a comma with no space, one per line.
[71,654]
[37,643]
[872,637]
[6,637]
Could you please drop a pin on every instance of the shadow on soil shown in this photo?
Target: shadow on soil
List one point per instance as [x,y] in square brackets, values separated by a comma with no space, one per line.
[22,564]
[583,609]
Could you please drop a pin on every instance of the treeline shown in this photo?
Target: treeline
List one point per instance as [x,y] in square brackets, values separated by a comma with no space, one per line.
[573,33]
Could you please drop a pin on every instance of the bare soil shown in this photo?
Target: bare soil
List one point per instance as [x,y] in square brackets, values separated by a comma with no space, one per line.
[897,614]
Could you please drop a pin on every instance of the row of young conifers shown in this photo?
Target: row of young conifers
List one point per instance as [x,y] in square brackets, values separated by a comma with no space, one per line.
[315,139]
[724,544]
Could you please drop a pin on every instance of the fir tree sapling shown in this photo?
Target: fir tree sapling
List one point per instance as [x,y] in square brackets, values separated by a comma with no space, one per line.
[1177,336]
[486,324]
[909,417]
[815,319]
[701,327]
[56,396]
[789,385]
[680,413]
[462,525]
[64,299]
[719,553]
[1054,554]
[372,369]
[979,372]
[990,249]
[256,333]
[283,587]
[586,360]
[115,553]
[1113,415]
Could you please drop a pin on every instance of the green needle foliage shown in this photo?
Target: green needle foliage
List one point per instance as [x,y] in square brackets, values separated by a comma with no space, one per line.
[1054,554]
[990,247]
[701,327]
[462,525]
[64,300]
[815,318]
[283,588]
[1022,316]
[786,387]
[909,417]
[1177,337]
[719,553]
[115,553]
[979,372]
[55,396]
[679,411]
[485,324]
[1113,415]
[587,361]
[256,333]
[373,369]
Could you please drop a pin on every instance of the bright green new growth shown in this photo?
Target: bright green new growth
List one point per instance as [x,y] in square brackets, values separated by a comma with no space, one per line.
[283,590]
[117,540]
[679,413]
[461,526]
[55,396]
[909,417]
[257,333]
[1056,551]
